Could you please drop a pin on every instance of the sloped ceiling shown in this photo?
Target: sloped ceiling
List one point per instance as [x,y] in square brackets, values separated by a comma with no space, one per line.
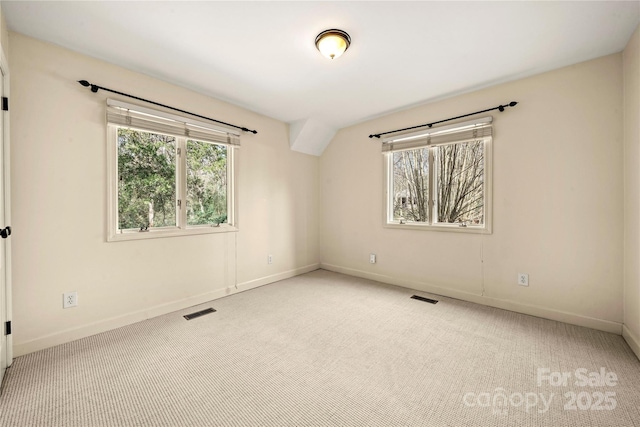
[261,55]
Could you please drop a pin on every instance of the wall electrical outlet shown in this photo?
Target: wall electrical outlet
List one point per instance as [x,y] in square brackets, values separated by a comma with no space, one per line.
[523,279]
[69,299]
[372,258]
[269,259]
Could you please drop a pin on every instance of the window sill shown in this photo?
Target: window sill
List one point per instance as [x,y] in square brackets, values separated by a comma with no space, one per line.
[170,232]
[439,227]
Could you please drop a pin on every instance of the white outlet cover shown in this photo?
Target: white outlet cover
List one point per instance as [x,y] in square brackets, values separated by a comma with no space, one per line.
[69,299]
[523,279]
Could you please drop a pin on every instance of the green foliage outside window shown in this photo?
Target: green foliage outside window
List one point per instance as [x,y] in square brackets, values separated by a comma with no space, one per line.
[146,179]
[206,183]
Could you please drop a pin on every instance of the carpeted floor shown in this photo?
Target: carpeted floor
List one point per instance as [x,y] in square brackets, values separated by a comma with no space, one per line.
[324,349]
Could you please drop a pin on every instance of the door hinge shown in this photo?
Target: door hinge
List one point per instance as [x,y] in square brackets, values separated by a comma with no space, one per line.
[179,151]
[5,232]
[179,203]
[5,103]
[7,328]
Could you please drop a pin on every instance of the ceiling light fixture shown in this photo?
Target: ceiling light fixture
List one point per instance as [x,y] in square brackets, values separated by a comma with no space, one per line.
[333,43]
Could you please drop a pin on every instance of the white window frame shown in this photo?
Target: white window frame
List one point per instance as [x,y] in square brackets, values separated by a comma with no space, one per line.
[422,140]
[114,234]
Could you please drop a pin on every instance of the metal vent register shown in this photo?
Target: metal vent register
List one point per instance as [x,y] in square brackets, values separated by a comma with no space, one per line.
[429,300]
[199,313]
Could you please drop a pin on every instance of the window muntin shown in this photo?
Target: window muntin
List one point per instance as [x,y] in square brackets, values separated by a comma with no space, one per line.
[440,179]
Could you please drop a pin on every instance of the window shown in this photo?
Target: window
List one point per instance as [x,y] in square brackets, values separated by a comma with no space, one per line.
[440,178]
[169,175]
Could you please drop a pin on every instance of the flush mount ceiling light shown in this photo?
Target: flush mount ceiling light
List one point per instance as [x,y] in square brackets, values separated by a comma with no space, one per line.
[333,43]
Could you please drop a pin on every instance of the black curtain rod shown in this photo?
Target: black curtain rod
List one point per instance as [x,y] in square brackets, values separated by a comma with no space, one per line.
[499,107]
[95,88]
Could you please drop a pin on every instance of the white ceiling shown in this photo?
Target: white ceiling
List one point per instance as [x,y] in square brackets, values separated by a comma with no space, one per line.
[261,55]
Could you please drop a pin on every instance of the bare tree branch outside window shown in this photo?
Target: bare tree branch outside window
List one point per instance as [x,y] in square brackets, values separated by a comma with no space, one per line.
[411,185]
[458,184]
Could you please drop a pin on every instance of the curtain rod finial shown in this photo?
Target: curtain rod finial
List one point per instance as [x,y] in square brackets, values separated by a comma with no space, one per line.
[94,88]
[513,104]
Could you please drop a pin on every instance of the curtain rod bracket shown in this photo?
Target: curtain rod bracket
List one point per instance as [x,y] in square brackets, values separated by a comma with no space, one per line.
[499,107]
[95,88]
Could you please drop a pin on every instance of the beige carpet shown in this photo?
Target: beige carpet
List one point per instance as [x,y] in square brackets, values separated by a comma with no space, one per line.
[324,349]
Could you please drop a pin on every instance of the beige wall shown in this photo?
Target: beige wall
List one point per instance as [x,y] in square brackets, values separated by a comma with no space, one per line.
[557,183]
[59,206]
[631,61]
[557,210]
[4,34]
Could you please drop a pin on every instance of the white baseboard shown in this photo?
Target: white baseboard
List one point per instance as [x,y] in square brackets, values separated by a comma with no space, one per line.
[532,310]
[277,277]
[83,331]
[632,340]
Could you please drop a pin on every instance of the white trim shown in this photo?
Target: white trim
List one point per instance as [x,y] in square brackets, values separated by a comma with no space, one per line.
[169,116]
[112,179]
[181,228]
[104,325]
[4,64]
[170,232]
[450,228]
[632,340]
[232,188]
[181,182]
[532,310]
[245,286]
[430,225]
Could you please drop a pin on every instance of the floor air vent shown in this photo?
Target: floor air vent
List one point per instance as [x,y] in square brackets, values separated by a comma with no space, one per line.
[419,298]
[199,313]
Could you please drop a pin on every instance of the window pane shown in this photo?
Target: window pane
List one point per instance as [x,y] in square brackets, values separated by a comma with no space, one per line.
[206,183]
[460,183]
[146,179]
[411,185]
